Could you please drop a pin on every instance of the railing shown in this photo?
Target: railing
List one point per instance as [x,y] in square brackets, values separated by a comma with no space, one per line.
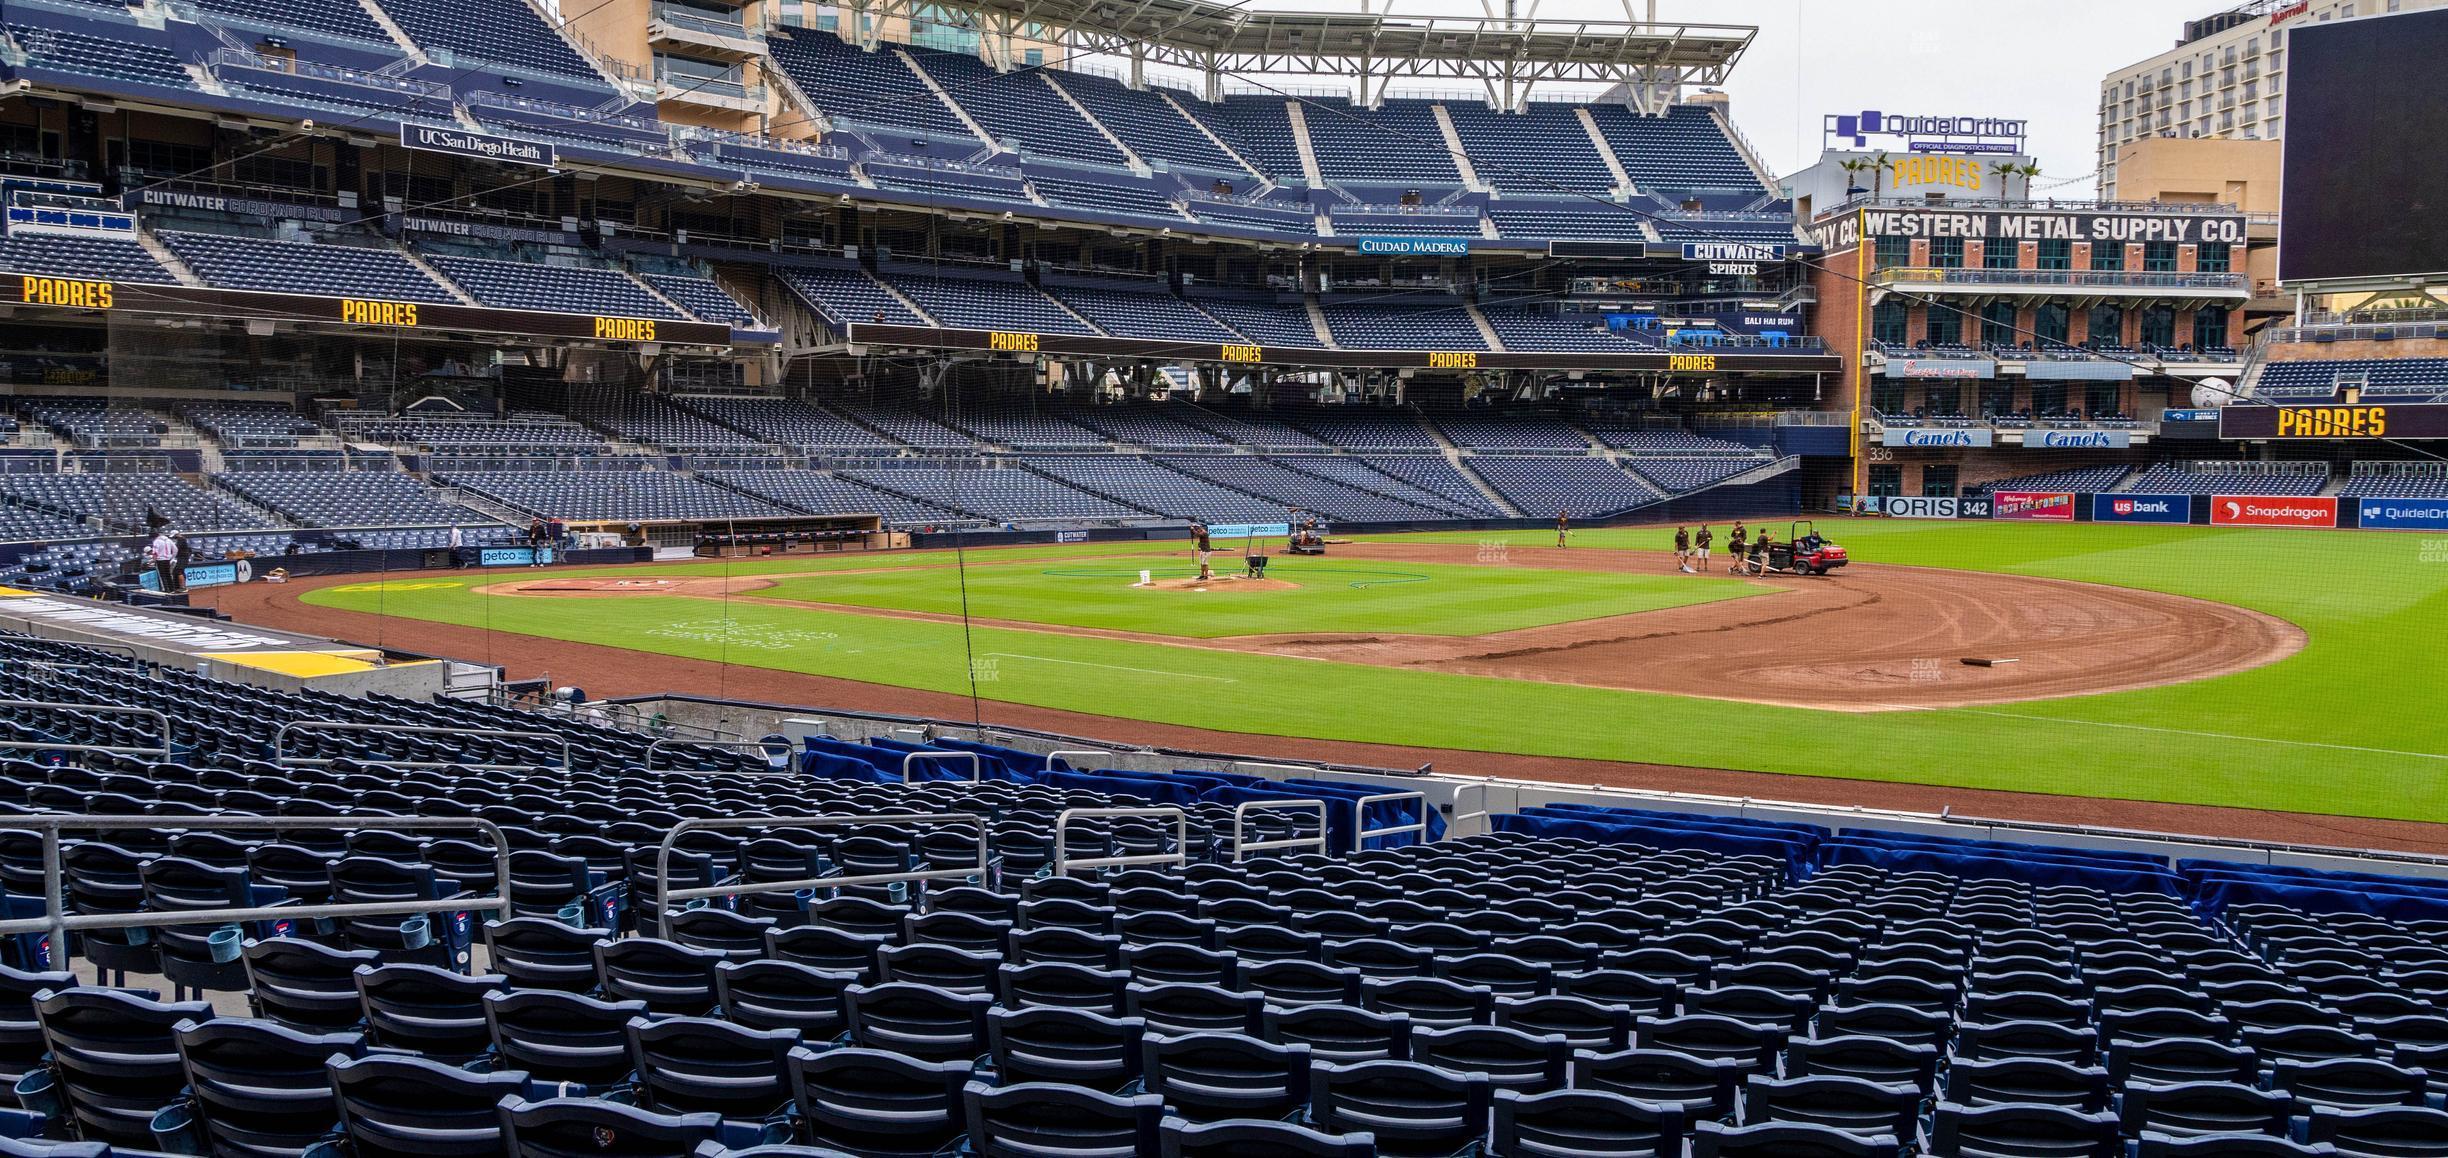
[1242,846]
[1059,753]
[109,709]
[1362,834]
[221,58]
[280,743]
[564,112]
[57,922]
[1063,864]
[1453,827]
[699,20]
[665,896]
[681,85]
[2061,278]
[764,747]
[1872,201]
[977,767]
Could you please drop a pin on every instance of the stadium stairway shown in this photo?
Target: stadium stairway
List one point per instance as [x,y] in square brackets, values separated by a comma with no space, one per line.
[1138,164]
[1606,152]
[1310,172]
[1487,332]
[418,260]
[911,63]
[1220,143]
[169,261]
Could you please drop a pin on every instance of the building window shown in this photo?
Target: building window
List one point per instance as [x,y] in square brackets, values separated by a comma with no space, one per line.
[1946,252]
[2213,259]
[2107,256]
[2048,398]
[1998,325]
[2158,326]
[1889,251]
[1945,326]
[1938,480]
[1886,480]
[1033,58]
[2001,255]
[2100,399]
[1887,396]
[2107,326]
[1887,323]
[2209,329]
[2049,323]
[2158,257]
[2057,252]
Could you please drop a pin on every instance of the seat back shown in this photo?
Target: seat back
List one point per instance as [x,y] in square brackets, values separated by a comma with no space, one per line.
[561,1037]
[1565,1123]
[432,1011]
[669,977]
[1042,1120]
[595,1128]
[115,1057]
[401,1107]
[1411,1108]
[783,995]
[1340,1033]
[691,1064]
[876,1103]
[1181,1138]
[260,1089]
[1211,1077]
[1069,1046]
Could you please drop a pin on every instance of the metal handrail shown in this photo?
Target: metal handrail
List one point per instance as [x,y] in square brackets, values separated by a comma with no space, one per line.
[1063,864]
[762,746]
[57,922]
[280,743]
[665,895]
[1453,827]
[1303,769]
[112,709]
[977,767]
[1059,753]
[1361,834]
[1241,846]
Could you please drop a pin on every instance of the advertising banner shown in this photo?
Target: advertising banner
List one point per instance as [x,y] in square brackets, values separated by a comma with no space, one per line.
[1935,437]
[2050,506]
[513,556]
[2044,370]
[2273,511]
[2396,514]
[1415,246]
[2141,508]
[202,575]
[2411,420]
[1941,368]
[1972,507]
[1246,530]
[1921,507]
[2077,439]
[476,146]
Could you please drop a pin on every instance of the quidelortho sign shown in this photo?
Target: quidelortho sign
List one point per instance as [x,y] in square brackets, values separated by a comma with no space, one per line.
[1935,436]
[2395,514]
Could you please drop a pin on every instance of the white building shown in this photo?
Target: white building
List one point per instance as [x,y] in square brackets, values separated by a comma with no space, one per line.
[2225,78]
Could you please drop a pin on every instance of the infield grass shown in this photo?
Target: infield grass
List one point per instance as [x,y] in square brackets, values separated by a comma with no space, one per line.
[2353,724]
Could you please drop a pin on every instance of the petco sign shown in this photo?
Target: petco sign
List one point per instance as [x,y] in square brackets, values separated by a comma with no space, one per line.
[2051,506]
[2273,511]
[1916,436]
[2141,508]
[1916,507]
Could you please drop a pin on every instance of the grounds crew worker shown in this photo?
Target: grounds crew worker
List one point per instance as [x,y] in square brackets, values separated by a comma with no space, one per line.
[1700,549]
[1683,549]
[1734,548]
[1563,528]
[1198,532]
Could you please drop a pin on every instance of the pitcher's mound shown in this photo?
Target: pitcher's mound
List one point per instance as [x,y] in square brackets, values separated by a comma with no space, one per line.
[1219,583]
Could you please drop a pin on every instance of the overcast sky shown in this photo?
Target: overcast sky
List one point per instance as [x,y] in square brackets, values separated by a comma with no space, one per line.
[2041,61]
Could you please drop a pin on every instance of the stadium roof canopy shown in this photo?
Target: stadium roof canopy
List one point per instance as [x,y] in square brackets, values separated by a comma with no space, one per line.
[1507,54]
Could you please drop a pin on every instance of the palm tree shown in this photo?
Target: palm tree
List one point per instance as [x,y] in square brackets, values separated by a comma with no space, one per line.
[2008,170]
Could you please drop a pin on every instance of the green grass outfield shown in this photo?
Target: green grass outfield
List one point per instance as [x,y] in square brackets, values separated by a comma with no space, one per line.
[2353,724]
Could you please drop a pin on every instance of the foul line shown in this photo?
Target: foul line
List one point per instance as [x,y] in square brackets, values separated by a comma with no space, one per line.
[1112,667]
[2205,735]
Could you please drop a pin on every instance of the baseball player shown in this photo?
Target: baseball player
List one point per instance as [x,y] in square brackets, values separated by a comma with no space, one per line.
[1700,550]
[1683,550]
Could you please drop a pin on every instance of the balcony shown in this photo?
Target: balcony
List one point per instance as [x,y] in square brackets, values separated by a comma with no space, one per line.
[709,92]
[2066,282]
[703,32]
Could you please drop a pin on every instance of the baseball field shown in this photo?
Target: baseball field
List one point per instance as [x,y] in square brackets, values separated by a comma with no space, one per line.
[2300,671]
